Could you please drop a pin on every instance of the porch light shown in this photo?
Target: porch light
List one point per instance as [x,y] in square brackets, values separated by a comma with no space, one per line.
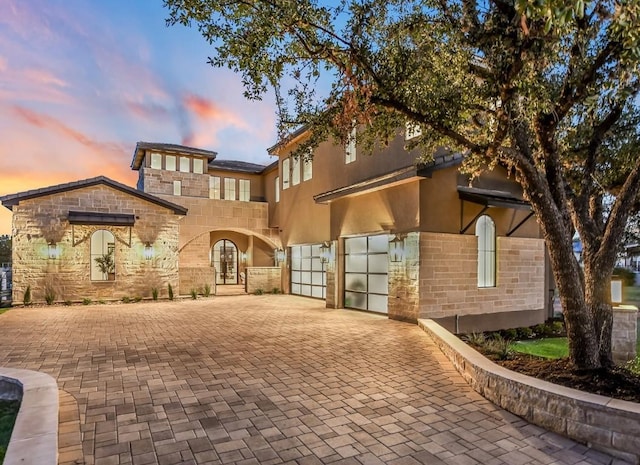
[396,248]
[279,256]
[325,252]
[54,250]
[148,251]
[243,257]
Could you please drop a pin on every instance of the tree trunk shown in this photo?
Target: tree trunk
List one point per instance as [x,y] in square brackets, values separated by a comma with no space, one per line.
[597,285]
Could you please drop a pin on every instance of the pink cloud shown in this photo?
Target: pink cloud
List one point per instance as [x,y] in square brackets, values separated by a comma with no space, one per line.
[43,77]
[208,110]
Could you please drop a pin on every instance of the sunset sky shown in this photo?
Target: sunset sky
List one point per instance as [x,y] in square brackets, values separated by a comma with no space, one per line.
[81,81]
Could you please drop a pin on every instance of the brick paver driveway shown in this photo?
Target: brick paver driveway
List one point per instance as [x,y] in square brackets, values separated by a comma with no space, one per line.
[262,379]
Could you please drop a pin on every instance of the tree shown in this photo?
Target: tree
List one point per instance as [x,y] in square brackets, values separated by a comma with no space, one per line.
[547,89]
[5,248]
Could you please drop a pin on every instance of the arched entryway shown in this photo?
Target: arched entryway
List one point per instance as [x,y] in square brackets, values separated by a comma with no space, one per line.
[225,261]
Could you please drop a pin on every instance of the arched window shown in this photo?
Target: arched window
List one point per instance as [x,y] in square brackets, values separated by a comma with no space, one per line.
[486,233]
[103,263]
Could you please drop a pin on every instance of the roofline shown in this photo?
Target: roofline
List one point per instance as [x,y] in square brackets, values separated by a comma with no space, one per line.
[171,148]
[298,133]
[270,167]
[11,200]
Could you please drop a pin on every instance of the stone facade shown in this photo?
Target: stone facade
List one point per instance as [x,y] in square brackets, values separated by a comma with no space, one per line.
[448,276]
[161,182]
[625,333]
[41,220]
[263,278]
[404,292]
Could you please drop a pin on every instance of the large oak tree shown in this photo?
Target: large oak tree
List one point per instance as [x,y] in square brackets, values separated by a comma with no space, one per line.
[546,88]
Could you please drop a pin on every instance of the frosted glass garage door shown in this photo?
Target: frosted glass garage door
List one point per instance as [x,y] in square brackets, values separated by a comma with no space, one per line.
[366,280]
[308,277]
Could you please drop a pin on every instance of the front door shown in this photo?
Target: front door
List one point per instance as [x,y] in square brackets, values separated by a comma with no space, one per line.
[225,261]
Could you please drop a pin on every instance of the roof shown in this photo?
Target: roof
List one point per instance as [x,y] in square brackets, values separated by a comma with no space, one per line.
[492,198]
[441,159]
[288,139]
[11,200]
[141,147]
[233,165]
[107,219]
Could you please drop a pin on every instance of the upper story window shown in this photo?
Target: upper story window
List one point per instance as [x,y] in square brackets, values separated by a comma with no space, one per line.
[286,172]
[214,187]
[170,162]
[245,190]
[177,187]
[103,256]
[229,189]
[307,167]
[412,130]
[198,165]
[156,161]
[295,171]
[486,233]
[277,188]
[350,147]
[184,164]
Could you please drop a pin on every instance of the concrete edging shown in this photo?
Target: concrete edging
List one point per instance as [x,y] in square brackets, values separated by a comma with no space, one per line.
[34,439]
[606,424]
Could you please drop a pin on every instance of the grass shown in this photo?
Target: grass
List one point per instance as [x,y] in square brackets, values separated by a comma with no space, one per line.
[5,309]
[8,414]
[553,347]
[631,295]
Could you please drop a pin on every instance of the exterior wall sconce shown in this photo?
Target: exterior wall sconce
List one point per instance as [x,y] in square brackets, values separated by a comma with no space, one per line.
[148,251]
[54,250]
[396,248]
[325,252]
[243,257]
[279,256]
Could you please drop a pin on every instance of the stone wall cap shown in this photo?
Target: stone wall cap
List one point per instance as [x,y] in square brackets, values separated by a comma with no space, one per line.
[625,308]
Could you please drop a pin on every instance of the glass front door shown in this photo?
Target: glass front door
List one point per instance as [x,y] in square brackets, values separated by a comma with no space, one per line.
[225,261]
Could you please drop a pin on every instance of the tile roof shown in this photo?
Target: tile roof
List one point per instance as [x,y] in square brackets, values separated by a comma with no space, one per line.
[233,165]
[174,148]
[11,200]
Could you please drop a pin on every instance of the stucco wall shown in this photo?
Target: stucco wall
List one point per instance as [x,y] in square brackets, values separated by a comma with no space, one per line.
[448,276]
[41,220]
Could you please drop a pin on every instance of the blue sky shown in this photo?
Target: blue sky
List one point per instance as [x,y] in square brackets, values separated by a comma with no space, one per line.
[82,81]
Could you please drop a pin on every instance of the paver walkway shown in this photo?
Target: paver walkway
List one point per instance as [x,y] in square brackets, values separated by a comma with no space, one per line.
[262,379]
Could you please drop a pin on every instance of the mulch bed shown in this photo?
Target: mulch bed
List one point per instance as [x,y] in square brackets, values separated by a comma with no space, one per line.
[616,382]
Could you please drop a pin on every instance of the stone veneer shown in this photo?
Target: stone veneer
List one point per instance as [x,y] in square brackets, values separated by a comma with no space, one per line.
[264,278]
[41,220]
[404,292]
[625,333]
[448,276]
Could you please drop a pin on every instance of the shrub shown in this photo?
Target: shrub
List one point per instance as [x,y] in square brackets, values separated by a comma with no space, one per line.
[499,347]
[126,300]
[634,365]
[554,328]
[86,301]
[475,339]
[194,294]
[628,277]
[275,290]
[207,290]
[170,291]
[154,293]
[26,298]
[137,298]
[525,333]
[540,329]
[507,334]
[101,302]
[49,293]
[67,303]
[259,292]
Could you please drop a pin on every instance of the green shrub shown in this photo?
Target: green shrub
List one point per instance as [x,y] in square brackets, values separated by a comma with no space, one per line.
[126,300]
[86,301]
[507,334]
[628,277]
[137,298]
[540,329]
[101,302]
[49,294]
[525,333]
[634,365]
[259,292]
[499,347]
[170,291]
[554,328]
[275,290]
[207,290]
[67,303]
[26,298]
[475,339]
[194,294]
[154,293]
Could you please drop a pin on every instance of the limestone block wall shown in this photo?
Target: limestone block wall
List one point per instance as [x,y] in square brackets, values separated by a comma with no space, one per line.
[196,278]
[265,278]
[404,292]
[625,333]
[161,182]
[448,276]
[36,222]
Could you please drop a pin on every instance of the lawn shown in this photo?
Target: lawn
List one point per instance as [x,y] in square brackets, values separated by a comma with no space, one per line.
[8,414]
[553,347]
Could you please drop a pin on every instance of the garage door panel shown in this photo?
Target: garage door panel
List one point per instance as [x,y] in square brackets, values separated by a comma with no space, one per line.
[366,273]
[308,277]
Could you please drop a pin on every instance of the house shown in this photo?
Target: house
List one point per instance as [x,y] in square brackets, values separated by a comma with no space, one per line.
[376,232]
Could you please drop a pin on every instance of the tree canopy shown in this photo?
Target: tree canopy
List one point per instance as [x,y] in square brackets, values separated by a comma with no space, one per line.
[548,89]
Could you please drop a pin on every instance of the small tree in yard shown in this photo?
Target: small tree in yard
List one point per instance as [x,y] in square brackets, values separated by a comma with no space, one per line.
[547,89]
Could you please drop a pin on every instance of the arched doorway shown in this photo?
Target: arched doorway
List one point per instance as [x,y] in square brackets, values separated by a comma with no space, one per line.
[225,261]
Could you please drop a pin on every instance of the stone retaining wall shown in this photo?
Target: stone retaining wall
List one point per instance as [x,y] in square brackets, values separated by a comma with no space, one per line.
[625,333]
[606,424]
[265,278]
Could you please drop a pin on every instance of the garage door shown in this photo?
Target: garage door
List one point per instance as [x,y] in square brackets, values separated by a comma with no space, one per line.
[308,277]
[366,279]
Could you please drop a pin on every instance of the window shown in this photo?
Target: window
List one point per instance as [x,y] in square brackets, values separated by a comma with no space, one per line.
[198,166]
[277,188]
[170,162]
[350,148]
[245,190]
[156,161]
[295,171]
[229,189]
[214,187]
[286,171]
[177,187]
[307,167]
[103,263]
[412,130]
[184,164]
[486,233]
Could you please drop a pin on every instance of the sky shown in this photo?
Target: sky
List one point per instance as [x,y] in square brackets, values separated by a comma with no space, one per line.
[81,81]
